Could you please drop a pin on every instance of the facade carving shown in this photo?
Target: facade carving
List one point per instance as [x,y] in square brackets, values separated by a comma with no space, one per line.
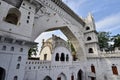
[21,22]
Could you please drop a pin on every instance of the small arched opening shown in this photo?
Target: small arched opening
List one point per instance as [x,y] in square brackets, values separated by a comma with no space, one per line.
[72,77]
[90,50]
[15,78]
[57,57]
[67,57]
[18,66]
[79,75]
[89,38]
[114,70]
[2,73]
[47,78]
[93,68]
[87,28]
[62,76]
[19,58]
[62,57]
[13,16]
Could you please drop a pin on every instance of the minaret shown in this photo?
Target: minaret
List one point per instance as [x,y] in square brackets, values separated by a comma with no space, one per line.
[91,40]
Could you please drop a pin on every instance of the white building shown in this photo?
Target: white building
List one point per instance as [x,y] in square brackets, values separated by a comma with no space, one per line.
[21,22]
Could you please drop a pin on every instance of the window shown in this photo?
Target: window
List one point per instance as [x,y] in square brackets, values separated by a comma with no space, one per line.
[13,16]
[59,78]
[21,49]
[62,57]
[15,78]
[28,17]
[45,56]
[87,28]
[29,7]
[4,48]
[19,58]
[90,50]
[67,57]
[29,13]
[18,66]
[114,70]
[88,38]
[2,73]
[27,21]
[57,57]
[72,77]
[93,68]
[29,67]
[12,49]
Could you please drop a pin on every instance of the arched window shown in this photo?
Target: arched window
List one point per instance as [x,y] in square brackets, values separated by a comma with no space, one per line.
[15,78]
[89,38]
[57,57]
[87,28]
[21,49]
[72,77]
[19,58]
[18,66]
[2,74]
[80,75]
[92,68]
[59,78]
[13,16]
[45,56]
[4,48]
[114,70]
[67,57]
[12,49]
[62,57]
[90,50]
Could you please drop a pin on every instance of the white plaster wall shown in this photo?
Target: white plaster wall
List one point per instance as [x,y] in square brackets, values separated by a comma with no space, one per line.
[23,29]
[9,60]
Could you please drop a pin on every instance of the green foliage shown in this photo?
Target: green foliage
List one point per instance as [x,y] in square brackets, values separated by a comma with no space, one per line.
[32,51]
[103,39]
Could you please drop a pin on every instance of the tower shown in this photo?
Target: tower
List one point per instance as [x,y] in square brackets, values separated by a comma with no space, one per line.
[91,40]
[16,22]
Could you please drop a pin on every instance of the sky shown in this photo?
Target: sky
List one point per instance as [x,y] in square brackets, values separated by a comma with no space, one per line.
[106,14]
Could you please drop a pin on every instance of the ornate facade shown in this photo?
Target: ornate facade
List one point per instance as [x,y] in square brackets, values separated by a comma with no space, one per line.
[21,22]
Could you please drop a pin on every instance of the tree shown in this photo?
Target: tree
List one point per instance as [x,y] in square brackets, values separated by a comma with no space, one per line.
[103,39]
[116,40]
[32,51]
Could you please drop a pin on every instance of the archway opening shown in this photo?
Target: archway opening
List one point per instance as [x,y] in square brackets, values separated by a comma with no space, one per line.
[62,76]
[79,75]
[47,78]
[67,35]
[2,74]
